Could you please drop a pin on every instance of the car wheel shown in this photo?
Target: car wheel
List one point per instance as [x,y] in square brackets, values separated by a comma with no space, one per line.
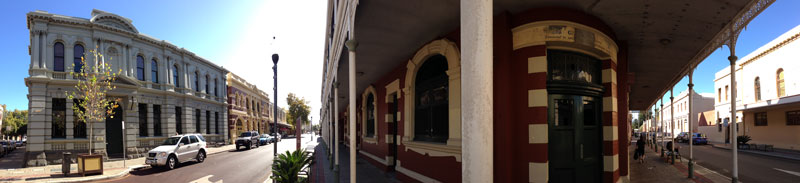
[172,162]
[237,147]
[201,156]
[249,146]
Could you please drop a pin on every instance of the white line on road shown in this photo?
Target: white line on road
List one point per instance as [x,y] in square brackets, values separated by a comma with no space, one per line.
[205,180]
[787,171]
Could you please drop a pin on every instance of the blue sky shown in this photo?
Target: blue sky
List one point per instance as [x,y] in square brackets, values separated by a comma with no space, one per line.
[234,34]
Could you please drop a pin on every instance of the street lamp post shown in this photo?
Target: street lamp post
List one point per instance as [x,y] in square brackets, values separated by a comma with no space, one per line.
[275,104]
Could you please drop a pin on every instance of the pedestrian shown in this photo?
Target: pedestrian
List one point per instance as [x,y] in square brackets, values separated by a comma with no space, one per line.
[640,149]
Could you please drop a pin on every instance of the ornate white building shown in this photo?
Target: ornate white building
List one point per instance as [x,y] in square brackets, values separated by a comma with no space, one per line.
[164,89]
[702,102]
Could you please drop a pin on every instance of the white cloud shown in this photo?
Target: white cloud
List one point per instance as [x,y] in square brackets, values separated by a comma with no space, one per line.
[299,28]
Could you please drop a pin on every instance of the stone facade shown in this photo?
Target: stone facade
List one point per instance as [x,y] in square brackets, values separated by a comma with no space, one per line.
[180,91]
[250,108]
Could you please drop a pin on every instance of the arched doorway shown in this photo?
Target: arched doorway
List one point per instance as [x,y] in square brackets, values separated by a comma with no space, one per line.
[239,127]
[574,117]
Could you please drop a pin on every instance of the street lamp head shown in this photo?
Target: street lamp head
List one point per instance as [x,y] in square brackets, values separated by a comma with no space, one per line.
[275,58]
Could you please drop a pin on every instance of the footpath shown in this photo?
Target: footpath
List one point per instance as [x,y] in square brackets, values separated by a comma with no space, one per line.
[366,172]
[657,169]
[111,169]
[778,153]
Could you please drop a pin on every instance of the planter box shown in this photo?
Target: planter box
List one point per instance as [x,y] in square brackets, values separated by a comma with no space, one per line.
[90,164]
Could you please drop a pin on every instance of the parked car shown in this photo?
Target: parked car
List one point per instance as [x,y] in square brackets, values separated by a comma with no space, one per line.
[3,152]
[8,146]
[247,139]
[682,137]
[20,143]
[699,138]
[264,139]
[277,137]
[177,149]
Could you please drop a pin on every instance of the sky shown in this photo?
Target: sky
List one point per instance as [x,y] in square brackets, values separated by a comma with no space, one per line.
[236,35]
[778,18]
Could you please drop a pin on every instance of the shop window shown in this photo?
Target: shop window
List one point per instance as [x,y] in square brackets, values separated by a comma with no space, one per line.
[781,84]
[140,68]
[432,96]
[143,120]
[157,120]
[58,57]
[79,126]
[77,54]
[179,120]
[761,119]
[59,119]
[197,120]
[793,118]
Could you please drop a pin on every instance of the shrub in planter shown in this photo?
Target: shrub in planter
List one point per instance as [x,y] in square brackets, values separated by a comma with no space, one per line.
[743,139]
[287,166]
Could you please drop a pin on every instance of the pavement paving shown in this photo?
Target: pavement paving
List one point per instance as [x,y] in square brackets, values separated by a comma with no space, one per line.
[656,169]
[52,173]
[366,172]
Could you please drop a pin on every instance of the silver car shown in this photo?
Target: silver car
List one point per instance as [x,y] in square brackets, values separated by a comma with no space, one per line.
[177,149]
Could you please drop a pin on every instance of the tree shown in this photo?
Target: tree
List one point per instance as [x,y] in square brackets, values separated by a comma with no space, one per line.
[94,81]
[15,123]
[298,108]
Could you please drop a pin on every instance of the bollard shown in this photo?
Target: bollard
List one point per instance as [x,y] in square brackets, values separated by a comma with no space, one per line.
[66,162]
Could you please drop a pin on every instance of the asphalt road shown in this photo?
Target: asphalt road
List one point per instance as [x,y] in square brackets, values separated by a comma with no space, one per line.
[752,167]
[252,166]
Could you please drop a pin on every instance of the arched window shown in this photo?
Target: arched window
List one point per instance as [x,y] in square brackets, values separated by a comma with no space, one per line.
[371,116]
[431,100]
[196,82]
[58,57]
[77,53]
[207,90]
[140,68]
[175,76]
[781,86]
[757,88]
[154,71]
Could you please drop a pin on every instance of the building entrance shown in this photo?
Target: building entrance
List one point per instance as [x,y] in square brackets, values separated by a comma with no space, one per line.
[114,133]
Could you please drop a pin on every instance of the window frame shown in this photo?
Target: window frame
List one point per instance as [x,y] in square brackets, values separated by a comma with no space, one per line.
[154,70]
[370,138]
[792,118]
[780,83]
[77,58]
[143,109]
[757,89]
[175,76]
[60,108]
[58,60]
[760,119]
[140,71]
[157,121]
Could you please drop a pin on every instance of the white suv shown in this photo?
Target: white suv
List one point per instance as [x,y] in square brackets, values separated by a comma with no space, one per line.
[177,149]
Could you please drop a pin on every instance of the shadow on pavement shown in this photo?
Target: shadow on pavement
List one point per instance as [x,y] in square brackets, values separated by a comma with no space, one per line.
[154,170]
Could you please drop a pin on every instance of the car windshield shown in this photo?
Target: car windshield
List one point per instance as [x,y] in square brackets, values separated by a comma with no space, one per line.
[246,134]
[171,141]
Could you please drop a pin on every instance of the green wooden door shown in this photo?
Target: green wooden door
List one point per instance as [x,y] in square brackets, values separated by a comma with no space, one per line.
[575,138]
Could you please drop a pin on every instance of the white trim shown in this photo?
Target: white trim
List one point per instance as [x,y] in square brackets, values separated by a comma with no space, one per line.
[434,150]
[538,172]
[611,163]
[413,174]
[537,134]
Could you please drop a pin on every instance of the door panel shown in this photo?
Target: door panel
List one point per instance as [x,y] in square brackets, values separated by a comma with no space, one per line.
[114,133]
[575,138]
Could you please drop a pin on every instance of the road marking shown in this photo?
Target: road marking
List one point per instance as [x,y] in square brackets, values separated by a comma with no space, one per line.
[205,180]
[789,172]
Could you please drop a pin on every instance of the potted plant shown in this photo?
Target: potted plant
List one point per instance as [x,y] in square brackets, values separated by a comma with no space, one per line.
[742,141]
[286,168]
[92,104]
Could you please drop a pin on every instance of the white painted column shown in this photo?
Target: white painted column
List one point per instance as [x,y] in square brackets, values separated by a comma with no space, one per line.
[336,127]
[691,124]
[351,46]
[734,144]
[476,94]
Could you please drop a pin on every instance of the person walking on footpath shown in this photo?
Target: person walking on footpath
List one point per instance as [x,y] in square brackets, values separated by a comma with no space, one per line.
[640,149]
